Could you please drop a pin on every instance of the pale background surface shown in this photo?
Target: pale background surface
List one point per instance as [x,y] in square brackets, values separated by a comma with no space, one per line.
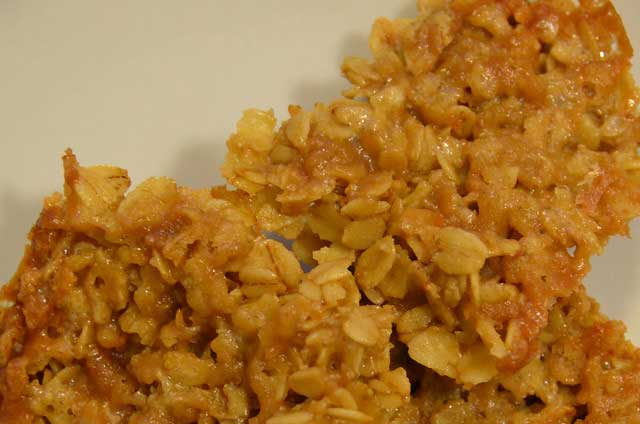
[156,86]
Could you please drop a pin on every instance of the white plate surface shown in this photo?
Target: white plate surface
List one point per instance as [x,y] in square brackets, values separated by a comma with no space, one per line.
[156,86]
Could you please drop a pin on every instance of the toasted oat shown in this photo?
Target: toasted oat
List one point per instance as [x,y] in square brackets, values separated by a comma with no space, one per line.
[497,143]
[491,138]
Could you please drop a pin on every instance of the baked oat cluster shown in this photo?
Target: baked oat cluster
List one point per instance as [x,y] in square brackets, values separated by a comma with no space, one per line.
[410,253]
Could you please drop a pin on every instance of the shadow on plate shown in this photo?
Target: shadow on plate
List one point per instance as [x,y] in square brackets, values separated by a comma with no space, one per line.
[197,164]
[614,280]
[20,213]
[307,93]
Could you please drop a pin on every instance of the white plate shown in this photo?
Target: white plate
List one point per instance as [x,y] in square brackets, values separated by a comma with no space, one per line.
[156,86]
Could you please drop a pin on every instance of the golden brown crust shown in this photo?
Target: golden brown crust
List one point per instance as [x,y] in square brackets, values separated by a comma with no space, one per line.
[97,284]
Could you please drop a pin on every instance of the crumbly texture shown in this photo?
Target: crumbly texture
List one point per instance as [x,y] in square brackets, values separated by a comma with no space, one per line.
[445,210]
[491,141]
